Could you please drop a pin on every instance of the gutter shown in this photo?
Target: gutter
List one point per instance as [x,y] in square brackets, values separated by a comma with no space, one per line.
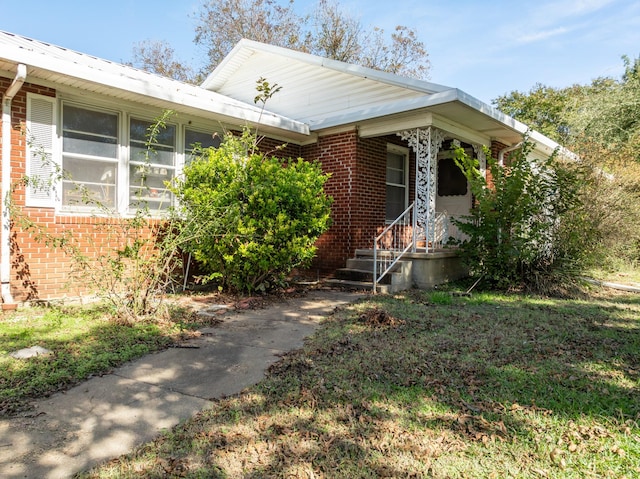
[5,186]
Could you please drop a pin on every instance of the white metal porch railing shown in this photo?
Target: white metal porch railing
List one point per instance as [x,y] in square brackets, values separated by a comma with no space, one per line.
[394,241]
[402,236]
[438,233]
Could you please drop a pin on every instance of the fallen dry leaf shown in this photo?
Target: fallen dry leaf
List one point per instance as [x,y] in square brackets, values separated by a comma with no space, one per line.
[379,317]
[556,455]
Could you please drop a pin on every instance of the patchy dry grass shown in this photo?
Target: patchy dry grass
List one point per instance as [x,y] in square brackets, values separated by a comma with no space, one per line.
[488,386]
[84,341]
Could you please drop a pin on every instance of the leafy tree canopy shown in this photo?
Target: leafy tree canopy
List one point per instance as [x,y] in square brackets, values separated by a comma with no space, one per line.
[606,111]
[600,122]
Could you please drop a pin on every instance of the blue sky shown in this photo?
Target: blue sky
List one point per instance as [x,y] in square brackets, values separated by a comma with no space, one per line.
[485,48]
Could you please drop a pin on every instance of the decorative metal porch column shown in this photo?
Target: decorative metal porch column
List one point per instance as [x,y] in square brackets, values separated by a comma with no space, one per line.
[425,143]
[482,158]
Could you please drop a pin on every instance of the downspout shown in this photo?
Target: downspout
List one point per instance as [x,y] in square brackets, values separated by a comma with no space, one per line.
[508,149]
[5,228]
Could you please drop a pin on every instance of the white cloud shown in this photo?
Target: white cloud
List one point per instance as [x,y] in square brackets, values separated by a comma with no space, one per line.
[542,35]
[582,7]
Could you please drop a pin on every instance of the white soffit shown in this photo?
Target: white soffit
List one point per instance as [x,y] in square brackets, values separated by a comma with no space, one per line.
[60,66]
[326,94]
[312,88]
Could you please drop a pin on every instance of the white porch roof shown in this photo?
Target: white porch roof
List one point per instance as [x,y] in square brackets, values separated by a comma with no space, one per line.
[327,94]
[60,67]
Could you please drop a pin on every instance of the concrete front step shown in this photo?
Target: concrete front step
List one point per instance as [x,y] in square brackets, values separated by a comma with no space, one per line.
[364,275]
[360,285]
[359,274]
[422,270]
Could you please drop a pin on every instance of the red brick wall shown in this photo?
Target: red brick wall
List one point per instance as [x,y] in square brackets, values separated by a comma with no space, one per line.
[279,148]
[337,154]
[37,271]
[357,185]
[496,147]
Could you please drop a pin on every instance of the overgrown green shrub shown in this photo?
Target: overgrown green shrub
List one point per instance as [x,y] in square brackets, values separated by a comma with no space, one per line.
[613,198]
[529,228]
[260,216]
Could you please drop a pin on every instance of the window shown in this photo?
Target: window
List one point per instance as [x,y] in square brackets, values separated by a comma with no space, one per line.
[89,157]
[451,179]
[103,154]
[150,168]
[397,181]
[194,139]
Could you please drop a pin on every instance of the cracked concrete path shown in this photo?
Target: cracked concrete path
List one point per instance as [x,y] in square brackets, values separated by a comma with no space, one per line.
[107,416]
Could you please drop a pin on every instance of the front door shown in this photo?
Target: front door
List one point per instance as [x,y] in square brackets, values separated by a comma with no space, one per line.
[453,195]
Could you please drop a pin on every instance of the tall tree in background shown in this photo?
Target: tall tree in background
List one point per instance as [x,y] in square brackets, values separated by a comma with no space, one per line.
[607,111]
[222,23]
[159,57]
[330,31]
[543,109]
[600,122]
[610,112]
[333,33]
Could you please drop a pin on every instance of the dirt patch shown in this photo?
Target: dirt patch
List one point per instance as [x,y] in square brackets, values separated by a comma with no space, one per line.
[203,300]
[379,318]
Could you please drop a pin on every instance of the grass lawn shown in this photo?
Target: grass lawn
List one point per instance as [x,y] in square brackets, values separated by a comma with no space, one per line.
[83,341]
[623,275]
[429,385]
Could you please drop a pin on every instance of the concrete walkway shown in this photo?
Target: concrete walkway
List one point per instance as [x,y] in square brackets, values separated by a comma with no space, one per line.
[107,416]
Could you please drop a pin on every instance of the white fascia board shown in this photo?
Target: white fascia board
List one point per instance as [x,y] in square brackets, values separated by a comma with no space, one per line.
[393,124]
[422,120]
[217,78]
[435,99]
[149,85]
[542,141]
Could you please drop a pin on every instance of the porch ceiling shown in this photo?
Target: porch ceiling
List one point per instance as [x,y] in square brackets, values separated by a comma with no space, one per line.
[327,94]
[313,89]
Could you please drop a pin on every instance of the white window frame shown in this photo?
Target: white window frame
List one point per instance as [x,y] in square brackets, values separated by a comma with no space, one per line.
[178,150]
[119,160]
[47,118]
[400,150]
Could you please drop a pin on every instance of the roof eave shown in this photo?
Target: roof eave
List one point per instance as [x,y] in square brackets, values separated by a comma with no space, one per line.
[159,88]
[218,76]
[424,103]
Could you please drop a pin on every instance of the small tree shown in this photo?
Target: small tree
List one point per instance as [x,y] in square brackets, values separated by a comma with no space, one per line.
[529,228]
[261,215]
[131,260]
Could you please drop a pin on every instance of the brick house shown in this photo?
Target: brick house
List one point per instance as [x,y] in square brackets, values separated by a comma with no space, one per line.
[384,139]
